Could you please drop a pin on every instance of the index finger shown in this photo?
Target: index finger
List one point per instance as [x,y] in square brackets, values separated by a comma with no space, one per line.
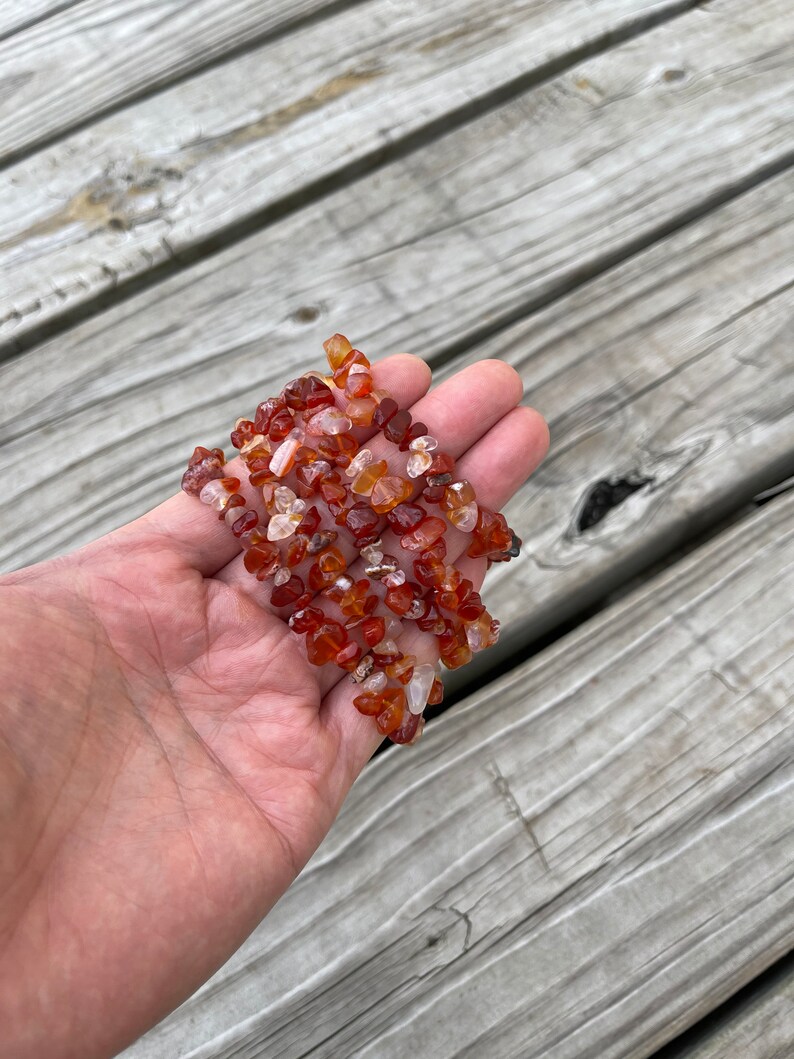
[202,541]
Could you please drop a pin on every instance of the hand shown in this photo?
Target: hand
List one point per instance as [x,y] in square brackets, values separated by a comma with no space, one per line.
[169,760]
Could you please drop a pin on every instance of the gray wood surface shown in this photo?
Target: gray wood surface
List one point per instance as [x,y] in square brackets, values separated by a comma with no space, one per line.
[579,860]
[676,369]
[591,853]
[137,383]
[675,365]
[456,237]
[88,57]
[208,154]
[16,16]
[760,1029]
[567,181]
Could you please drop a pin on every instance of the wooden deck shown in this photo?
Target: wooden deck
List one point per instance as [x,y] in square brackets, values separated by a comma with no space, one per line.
[591,854]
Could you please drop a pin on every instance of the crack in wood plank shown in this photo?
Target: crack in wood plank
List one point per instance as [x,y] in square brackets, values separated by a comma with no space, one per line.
[506,794]
[262,204]
[673,880]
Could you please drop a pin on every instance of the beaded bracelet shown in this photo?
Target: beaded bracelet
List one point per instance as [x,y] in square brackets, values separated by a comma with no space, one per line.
[302,437]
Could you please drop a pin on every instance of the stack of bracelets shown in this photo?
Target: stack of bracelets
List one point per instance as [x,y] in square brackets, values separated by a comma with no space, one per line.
[299,450]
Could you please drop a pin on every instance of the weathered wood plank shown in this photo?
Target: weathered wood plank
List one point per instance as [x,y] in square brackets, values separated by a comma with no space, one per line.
[760,1029]
[675,370]
[582,859]
[625,124]
[128,192]
[15,17]
[676,366]
[133,387]
[92,56]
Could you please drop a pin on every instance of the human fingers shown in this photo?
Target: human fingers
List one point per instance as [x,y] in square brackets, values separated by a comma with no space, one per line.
[459,411]
[497,466]
[203,541]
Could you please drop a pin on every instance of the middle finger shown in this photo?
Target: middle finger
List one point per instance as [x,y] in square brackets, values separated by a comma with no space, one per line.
[458,412]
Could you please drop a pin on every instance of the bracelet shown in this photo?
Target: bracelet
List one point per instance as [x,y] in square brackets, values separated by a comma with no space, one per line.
[300,452]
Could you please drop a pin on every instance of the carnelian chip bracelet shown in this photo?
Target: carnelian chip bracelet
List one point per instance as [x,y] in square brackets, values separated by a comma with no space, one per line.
[300,451]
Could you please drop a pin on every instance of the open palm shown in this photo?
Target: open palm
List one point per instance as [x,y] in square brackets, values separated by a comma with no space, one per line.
[170,759]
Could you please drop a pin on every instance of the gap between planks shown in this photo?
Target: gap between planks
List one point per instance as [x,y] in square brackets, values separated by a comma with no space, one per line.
[9,27]
[280,27]
[757,1022]
[739,257]
[428,921]
[323,185]
[599,266]
[735,253]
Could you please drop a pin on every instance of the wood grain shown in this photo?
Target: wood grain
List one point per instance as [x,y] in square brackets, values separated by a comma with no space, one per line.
[135,385]
[205,156]
[457,237]
[15,17]
[673,366]
[760,1029]
[88,57]
[676,366]
[675,370]
[582,859]
[596,850]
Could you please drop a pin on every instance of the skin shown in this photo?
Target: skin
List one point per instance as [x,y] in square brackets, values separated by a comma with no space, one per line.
[169,760]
